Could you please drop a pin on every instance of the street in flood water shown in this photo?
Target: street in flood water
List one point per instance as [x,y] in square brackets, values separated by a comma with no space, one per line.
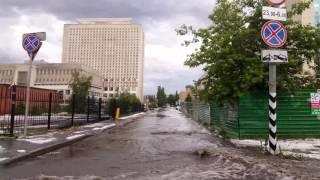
[161,145]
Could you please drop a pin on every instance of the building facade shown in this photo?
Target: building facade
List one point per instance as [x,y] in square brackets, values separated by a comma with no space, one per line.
[316,12]
[53,76]
[113,47]
[311,16]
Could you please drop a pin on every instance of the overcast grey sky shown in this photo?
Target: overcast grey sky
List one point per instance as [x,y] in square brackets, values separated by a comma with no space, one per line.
[164,56]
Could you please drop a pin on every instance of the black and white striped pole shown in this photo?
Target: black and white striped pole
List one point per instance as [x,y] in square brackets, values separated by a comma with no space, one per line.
[273,141]
[274,34]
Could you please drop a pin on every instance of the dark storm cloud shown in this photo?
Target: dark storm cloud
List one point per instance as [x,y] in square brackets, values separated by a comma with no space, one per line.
[137,9]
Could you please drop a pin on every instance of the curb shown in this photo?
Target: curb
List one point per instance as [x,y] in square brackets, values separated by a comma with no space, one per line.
[59,145]
[44,150]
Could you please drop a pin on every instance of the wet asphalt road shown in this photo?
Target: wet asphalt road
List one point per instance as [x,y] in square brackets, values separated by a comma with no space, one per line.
[161,145]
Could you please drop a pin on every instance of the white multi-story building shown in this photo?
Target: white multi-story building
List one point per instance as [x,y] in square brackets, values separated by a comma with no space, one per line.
[113,47]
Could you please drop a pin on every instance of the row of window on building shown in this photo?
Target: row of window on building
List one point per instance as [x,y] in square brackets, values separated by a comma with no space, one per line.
[6,72]
[55,71]
[117,89]
[111,95]
[8,80]
[52,80]
[120,79]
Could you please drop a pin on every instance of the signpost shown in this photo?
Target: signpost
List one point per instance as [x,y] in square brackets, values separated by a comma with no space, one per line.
[315,103]
[31,43]
[272,13]
[276,2]
[274,34]
[278,56]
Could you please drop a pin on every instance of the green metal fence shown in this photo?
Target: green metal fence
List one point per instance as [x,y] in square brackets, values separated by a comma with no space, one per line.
[294,116]
[198,111]
[247,117]
[224,119]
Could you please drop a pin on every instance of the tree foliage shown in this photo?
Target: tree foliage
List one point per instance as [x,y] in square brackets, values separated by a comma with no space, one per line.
[188,98]
[161,97]
[173,99]
[129,103]
[230,50]
[80,85]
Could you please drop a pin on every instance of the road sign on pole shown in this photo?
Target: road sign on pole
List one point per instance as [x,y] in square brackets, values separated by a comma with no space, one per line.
[277,56]
[315,103]
[274,34]
[271,13]
[31,43]
[276,2]
[40,35]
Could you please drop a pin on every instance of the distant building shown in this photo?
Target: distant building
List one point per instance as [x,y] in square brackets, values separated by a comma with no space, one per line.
[310,16]
[184,94]
[113,47]
[54,76]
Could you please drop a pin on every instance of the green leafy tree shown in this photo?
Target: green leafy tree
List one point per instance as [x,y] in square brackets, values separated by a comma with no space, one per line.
[161,97]
[177,96]
[188,98]
[129,103]
[153,103]
[230,50]
[172,100]
[80,85]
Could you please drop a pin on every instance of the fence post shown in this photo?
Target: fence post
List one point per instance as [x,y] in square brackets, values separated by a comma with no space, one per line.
[13,109]
[100,106]
[88,109]
[73,108]
[112,108]
[49,110]
[238,116]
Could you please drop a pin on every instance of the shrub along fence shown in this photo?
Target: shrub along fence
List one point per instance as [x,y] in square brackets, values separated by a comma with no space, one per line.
[247,117]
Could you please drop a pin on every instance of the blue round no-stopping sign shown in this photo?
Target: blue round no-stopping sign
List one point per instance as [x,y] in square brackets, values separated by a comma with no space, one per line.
[274,34]
[31,43]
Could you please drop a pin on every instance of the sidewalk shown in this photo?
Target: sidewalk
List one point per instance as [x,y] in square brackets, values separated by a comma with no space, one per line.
[11,147]
[299,148]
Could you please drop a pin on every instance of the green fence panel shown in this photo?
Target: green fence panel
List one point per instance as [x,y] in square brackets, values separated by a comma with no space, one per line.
[224,119]
[247,117]
[201,113]
[294,116]
[198,111]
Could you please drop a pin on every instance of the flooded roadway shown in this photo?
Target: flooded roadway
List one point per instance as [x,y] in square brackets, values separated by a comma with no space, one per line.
[162,145]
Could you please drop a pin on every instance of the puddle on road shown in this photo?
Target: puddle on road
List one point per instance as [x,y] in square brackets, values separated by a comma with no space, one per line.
[184,133]
[159,116]
[172,133]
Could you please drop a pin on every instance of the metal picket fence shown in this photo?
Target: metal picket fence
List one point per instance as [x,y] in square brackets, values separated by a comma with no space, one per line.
[46,111]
